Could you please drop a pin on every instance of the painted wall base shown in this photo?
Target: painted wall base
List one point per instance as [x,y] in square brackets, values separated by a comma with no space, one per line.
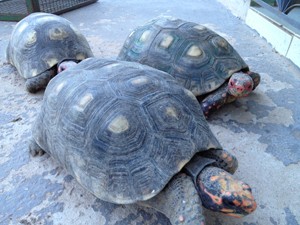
[284,41]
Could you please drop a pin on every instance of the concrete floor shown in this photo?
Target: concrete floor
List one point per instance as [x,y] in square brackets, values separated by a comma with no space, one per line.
[263,130]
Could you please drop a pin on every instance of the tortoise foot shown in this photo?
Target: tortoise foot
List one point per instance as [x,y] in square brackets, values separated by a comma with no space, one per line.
[39,82]
[221,192]
[35,149]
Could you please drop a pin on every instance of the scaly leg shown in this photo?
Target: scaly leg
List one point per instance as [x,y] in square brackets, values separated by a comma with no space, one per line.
[216,100]
[179,201]
[40,82]
[224,159]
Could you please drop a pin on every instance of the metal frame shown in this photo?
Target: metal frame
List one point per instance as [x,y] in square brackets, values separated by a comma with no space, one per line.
[34,6]
[290,8]
[75,7]
[282,16]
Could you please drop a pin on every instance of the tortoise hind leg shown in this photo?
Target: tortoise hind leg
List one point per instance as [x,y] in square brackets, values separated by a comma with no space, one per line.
[221,192]
[35,149]
[40,82]
[179,201]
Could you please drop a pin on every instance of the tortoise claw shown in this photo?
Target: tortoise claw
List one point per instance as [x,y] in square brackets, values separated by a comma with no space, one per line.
[35,149]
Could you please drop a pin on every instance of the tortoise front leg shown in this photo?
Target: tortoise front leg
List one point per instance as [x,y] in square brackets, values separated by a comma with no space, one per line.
[179,201]
[35,149]
[41,81]
[221,192]
[216,100]
[223,159]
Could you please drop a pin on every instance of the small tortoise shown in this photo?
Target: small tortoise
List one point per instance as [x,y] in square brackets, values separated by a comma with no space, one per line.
[40,43]
[201,60]
[131,134]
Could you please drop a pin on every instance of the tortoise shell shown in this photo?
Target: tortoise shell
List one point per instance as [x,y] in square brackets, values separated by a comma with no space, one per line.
[41,40]
[197,57]
[122,129]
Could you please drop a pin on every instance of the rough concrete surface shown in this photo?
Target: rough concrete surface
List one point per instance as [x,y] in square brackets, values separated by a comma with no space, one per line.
[263,130]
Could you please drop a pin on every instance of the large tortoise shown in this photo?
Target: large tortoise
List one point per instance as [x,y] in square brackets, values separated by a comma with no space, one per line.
[201,60]
[40,43]
[131,134]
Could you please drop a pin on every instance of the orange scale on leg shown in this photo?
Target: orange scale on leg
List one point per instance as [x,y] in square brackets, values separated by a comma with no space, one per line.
[223,184]
[214,178]
[237,202]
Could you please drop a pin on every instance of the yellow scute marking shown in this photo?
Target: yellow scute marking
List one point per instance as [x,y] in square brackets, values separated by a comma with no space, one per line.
[80,56]
[140,80]
[167,41]
[52,61]
[145,36]
[194,51]
[119,124]
[200,27]
[189,93]
[84,101]
[182,164]
[57,33]
[59,87]
[171,111]
[222,43]
[131,34]
[31,38]
[34,72]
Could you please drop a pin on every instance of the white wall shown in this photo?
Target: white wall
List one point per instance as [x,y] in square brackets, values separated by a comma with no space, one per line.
[284,41]
[238,8]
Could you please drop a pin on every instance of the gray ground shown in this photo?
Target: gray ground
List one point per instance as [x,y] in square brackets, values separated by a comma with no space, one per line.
[262,130]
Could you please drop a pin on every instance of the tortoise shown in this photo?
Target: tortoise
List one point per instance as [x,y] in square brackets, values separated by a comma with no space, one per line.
[40,43]
[200,59]
[130,133]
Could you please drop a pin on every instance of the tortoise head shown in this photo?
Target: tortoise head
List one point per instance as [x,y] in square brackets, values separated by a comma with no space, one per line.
[221,192]
[240,84]
[64,65]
